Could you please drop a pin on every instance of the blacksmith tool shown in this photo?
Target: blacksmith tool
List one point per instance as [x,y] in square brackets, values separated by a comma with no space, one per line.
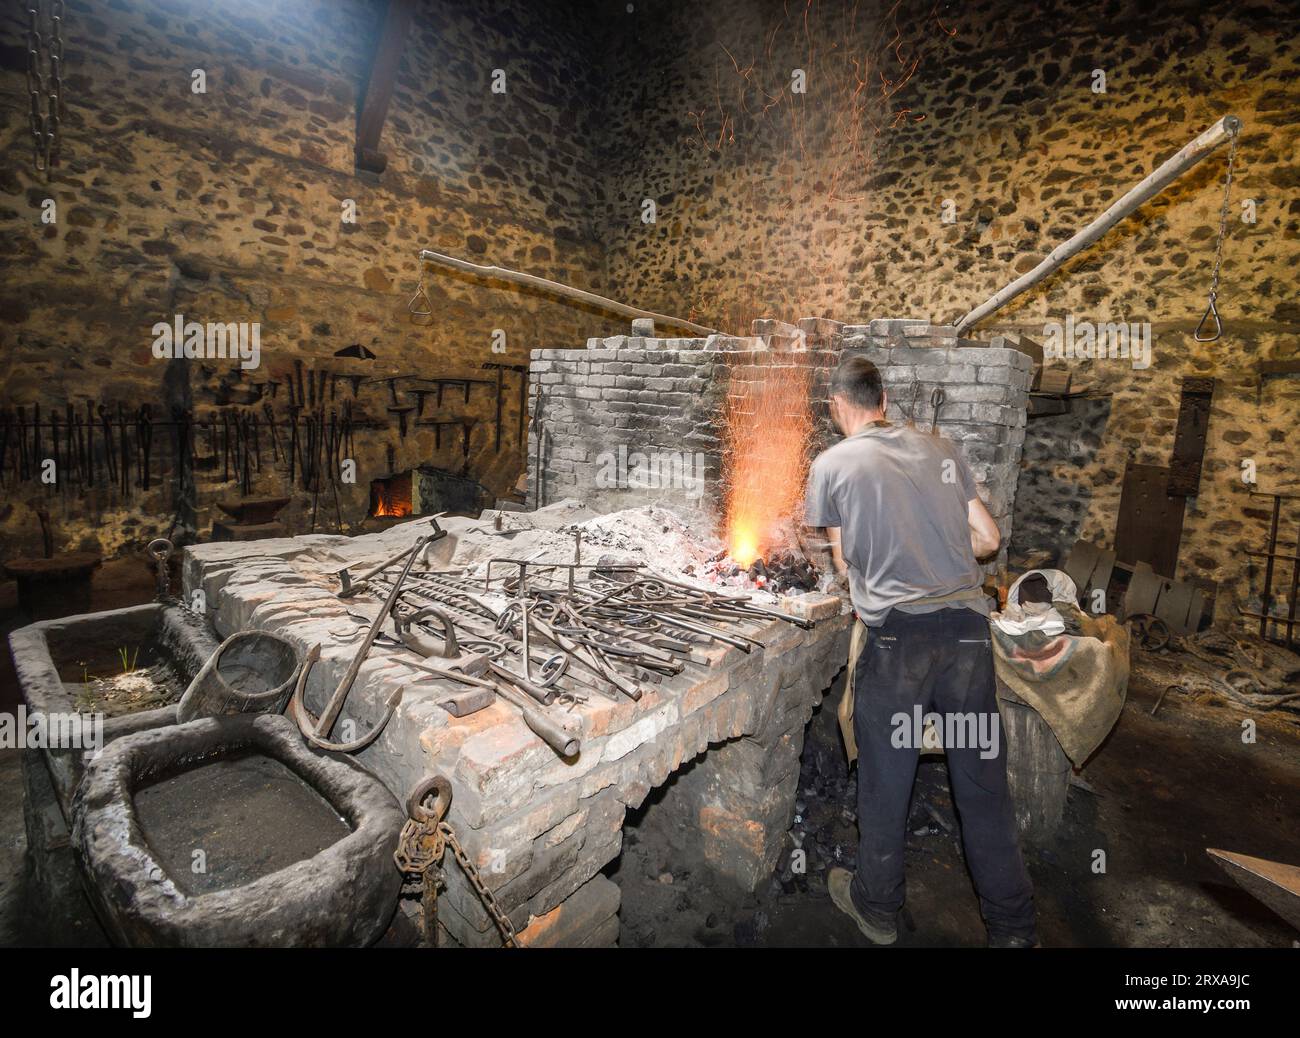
[54,436]
[497,423]
[225,447]
[71,457]
[394,407]
[293,440]
[5,422]
[420,395]
[936,402]
[144,434]
[34,449]
[317,731]
[36,439]
[123,454]
[269,412]
[355,585]
[911,411]
[522,371]
[90,440]
[22,443]
[110,462]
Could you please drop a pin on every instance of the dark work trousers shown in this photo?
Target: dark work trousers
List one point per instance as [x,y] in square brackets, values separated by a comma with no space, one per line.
[943,663]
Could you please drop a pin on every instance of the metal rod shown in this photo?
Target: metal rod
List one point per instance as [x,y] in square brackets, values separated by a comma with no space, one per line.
[1268,568]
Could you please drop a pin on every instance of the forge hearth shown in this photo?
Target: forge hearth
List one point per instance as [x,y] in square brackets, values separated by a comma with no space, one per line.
[667,399]
[390,497]
[540,827]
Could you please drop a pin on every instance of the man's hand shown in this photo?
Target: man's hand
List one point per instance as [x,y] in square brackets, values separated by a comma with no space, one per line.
[984,534]
[828,544]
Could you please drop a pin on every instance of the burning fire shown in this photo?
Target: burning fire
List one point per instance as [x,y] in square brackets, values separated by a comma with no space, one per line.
[391,497]
[387,506]
[768,431]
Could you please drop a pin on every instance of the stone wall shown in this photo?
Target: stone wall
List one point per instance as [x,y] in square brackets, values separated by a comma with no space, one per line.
[933,155]
[772,203]
[228,206]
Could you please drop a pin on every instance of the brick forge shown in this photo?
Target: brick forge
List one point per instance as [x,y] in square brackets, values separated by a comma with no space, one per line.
[541,828]
[740,724]
[657,397]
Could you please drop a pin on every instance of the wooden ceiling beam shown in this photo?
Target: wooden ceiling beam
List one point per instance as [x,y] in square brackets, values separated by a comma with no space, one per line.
[379,84]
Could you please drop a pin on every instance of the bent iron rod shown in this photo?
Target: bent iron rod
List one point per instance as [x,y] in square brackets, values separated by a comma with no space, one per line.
[317,733]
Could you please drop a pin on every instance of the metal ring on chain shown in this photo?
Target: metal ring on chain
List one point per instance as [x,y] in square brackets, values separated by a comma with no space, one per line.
[435,813]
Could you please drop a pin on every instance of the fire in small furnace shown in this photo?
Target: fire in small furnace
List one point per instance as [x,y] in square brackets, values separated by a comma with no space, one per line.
[768,431]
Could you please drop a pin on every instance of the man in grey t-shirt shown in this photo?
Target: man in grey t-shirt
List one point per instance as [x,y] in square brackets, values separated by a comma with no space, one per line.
[906,524]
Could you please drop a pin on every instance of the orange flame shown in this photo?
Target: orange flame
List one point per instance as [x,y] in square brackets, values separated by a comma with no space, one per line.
[768,429]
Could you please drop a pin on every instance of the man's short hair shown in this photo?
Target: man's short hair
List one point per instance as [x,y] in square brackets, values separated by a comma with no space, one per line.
[858,381]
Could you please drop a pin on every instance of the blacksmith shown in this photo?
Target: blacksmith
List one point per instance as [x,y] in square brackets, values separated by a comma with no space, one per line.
[906,526]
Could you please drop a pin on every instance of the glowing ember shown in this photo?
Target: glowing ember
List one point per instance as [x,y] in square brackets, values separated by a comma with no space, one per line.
[768,431]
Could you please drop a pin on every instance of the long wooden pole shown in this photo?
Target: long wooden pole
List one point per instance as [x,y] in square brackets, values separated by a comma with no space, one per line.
[555,288]
[1169,171]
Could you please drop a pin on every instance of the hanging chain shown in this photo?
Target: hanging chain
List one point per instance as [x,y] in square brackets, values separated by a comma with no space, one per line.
[488,898]
[1212,310]
[1223,217]
[45,88]
[421,847]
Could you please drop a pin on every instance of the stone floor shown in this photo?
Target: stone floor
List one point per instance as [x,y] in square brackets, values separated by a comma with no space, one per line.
[1162,790]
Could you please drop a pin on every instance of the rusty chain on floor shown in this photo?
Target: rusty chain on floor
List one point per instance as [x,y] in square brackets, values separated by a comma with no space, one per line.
[423,844]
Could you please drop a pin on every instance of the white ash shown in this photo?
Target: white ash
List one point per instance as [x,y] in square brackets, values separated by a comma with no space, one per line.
[679,545]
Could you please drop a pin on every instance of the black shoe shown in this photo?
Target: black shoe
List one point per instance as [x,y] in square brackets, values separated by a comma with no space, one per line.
[877,929]
[1006,940]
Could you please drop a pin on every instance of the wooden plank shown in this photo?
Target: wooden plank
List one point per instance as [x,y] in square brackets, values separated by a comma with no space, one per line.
[1054,380]
[1189,439]
[1275,884]
[1038,771]
[1174,605]
[1143,591]
[1042,407]
[1150,524]
[1090,567]
[379,86]
[1080,563]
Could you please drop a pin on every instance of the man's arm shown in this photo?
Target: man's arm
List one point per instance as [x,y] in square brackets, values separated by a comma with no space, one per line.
[984,534]
[837,552]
